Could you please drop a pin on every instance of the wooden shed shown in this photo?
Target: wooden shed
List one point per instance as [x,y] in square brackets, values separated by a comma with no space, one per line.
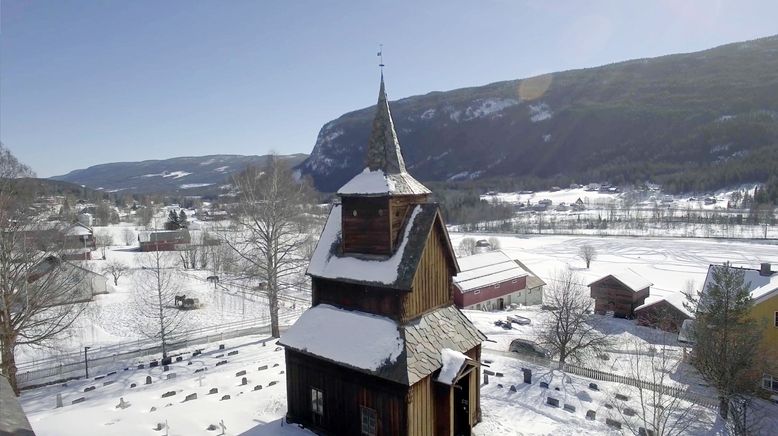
[619,293]
[383,350]
[666,314]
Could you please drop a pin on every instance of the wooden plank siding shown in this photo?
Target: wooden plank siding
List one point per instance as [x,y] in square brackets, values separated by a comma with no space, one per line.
[475,384]
[345,392]
[431,286]
[421,408]
[610,294]
[380,301]
[367,232]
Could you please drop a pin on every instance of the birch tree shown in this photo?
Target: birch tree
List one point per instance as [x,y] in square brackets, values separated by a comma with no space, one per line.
[271,229]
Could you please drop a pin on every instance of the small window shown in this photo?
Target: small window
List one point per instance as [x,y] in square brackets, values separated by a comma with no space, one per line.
[776,320]
[354,212]
[380,212]
[770,383]
[514,280]
[496,286]
[317,402]
[369,421]
[478,291]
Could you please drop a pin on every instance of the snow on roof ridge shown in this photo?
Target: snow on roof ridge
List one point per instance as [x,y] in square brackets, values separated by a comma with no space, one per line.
[452,362]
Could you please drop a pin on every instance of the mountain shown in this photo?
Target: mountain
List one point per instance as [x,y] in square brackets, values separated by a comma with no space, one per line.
[691,121]
[184,175]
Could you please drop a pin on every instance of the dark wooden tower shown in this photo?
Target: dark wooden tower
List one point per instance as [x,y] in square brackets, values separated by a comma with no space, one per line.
[383,350]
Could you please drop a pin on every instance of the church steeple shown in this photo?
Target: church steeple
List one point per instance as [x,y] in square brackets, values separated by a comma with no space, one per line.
[383,148]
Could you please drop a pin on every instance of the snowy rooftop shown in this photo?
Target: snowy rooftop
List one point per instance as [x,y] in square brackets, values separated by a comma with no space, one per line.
[674,299]
[355,338]
[78,230]
[452,363]
[760,285]
[629,278]
[379,183]
[396,270]
[484,269]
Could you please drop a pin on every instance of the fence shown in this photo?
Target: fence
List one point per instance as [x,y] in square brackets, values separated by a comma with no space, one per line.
[595,374]
[72,365]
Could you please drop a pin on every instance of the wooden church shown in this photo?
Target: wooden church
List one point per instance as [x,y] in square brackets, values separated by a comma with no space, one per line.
[383,350]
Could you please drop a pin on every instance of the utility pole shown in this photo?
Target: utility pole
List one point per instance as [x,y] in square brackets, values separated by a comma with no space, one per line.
[86,362]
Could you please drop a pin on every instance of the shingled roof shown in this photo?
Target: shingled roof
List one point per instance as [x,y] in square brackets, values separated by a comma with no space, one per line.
[420,349]
[395,271]
[385,172]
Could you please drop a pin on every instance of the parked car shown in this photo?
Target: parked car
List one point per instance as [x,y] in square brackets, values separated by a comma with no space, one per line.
[528,348]
[520,320]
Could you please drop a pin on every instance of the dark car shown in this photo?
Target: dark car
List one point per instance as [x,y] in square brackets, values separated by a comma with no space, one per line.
[528,348]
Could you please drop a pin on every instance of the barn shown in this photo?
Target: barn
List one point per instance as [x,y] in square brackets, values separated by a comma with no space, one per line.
[493,281]
[383,350]
[620,293]
[163,240]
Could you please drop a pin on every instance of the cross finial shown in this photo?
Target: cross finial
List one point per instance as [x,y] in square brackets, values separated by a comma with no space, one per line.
[381,57]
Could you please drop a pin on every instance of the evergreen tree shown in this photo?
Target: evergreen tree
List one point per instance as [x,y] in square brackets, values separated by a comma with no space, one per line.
[173,221]
[182,219]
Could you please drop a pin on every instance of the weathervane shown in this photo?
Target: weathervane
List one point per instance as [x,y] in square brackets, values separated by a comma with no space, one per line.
[381,57]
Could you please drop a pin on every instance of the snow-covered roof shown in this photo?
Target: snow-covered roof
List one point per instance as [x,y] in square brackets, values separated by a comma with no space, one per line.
[379,183]
[760,286]
[347,337]
[78,229]
[396,270]
[629,278]
[675,299]
[452,363]
[358,339]
[483,269]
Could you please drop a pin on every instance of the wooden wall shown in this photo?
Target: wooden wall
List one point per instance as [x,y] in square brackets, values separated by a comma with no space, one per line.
[624,300]
[432,283]
[369,231]
[380,301]
[475,386]
[344,392]
[421,408]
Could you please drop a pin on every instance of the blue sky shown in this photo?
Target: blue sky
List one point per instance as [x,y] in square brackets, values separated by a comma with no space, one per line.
[89,82]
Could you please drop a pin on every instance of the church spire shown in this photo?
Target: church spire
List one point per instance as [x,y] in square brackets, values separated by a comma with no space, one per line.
[383,148]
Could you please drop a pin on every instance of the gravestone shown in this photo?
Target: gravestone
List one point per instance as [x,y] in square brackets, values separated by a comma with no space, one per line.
[232,353]
[99,377]
[221,346]
[275,365]
[553,402]
[498,374]
[513,388]
[527,375]
[122,404]
[593,386]
[629,412]
[106,383]
[153,364]
[486,379]
[213,391]
[159,426]
[226,397]
[153,409]
[167,360]
[221,363]
[591,415]
[645,432]
[613,423]
[132,385]
[189,363]
[190,397]
[148,379]
[488,372]
[199,370]
[569,407]
[89,388]
[240,373]
[272,383]
[281,372]
[168,394]
[212,427]
[111,373]
[171,376]
[179,359]
[499,385]
[544,385]
[141,366]
[218,356]
[556,388]
[278,349]
[197,353]
[165,368]
[78,400]
[59,401]
[622,397]
[257,387]
[608,406]
[244,381]
[262,368]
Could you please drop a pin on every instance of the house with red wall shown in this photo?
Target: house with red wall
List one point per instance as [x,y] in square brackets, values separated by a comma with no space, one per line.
[493,281]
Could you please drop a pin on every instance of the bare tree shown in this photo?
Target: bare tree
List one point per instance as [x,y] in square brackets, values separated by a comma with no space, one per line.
[587,253]
[466,246]
[569,331]
[35,285]
[656,410]
[154,299]
[103,240]
[129,237]
[270,229]
[494,243]
[144,216]
[116,269]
